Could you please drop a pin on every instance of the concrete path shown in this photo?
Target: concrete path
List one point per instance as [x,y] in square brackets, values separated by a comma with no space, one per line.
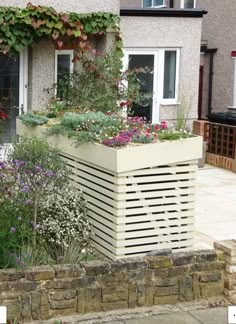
[215,206]
[211,311]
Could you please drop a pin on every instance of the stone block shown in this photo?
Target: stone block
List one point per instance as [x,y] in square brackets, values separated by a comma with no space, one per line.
[68,271]
[44,306]
[115,305]
[159,262]
[26,307]
[114,297]
[230,285]
[183,258]
[220,255]
[159,252]
[113,279]
[16,286]
[97,300]
[62,295]
[177,271]
[81,301]
[35,305]
[132,295]
[95,268]
[166,282]
[196,286]
[186,288]
[227,246]
[166,300]
[133,264]
[149,295]
[211,289]
[62,304]
[11,275]
[206,266]
[210,277]
[141,295]
[120,288]
[206,256]
[40,273]
[166,291]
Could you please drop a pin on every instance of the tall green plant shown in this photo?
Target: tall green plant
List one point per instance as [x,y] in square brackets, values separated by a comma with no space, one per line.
[40,171]
[183,113]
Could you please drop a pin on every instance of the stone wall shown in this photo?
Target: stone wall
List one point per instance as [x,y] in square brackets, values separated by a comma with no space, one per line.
[44,292]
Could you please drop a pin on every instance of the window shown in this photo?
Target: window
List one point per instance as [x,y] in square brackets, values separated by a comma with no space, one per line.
[169,75]
[154,3]
[188,4]
[63,68]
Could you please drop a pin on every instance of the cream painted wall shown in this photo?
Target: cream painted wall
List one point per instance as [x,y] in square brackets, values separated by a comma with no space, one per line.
[184,33]
[82,6]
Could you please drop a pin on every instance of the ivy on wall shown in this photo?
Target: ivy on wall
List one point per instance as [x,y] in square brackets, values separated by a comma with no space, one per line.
[20,28]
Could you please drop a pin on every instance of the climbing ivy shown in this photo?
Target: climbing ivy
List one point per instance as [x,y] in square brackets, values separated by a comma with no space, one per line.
[20,28]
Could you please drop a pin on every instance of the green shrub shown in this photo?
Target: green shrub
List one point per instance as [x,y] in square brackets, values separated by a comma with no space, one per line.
[64,224]
[31,119]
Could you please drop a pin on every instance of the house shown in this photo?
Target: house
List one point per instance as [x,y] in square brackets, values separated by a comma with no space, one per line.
[218,57]
[156,38]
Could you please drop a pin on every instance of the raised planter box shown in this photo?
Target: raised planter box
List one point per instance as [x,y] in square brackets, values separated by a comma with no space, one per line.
[141,198]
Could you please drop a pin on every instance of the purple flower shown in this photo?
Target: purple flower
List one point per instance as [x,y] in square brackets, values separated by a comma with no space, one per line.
[3,165]
[25,188]
[28,202]
[49,174]
[38,169]
[18,163]
[12,230]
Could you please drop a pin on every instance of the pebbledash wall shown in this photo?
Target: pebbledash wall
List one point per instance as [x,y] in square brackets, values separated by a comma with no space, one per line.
[170,32]
[42,55]
[45,292]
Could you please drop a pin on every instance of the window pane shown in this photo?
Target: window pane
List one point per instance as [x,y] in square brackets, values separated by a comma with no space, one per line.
[143,61]
[147,3]
[169,75]
[158,2]
[188,3]
[63,71]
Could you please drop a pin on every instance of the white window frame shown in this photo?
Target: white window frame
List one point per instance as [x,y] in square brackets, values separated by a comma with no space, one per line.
[63,52]
[182,4]
[23,93]
[152,6]
[158,82]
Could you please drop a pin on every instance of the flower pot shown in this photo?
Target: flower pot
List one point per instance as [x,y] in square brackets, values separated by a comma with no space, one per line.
[141,198]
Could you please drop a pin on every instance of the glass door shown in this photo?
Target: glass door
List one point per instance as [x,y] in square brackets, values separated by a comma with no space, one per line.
[144,59]
[13,92]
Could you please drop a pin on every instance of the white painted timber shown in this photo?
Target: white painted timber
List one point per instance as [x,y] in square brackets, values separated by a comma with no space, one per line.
[140,198]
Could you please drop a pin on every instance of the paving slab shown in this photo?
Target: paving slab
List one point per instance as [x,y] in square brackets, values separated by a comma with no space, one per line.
[211,316]
[176,318]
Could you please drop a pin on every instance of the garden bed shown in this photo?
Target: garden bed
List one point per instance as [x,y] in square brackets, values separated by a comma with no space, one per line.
[141,198]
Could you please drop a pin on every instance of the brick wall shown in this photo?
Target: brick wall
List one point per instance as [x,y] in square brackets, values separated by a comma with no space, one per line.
[44,292]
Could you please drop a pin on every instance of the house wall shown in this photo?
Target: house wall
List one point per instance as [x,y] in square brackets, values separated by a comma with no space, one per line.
[159,32]
[82,6]
[218,31]
[42,55]
[138,3]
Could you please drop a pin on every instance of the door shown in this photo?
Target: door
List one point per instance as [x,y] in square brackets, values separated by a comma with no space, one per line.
[13,92]
[144,59]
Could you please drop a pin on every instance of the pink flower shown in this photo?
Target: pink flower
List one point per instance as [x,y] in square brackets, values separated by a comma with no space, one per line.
[163,125]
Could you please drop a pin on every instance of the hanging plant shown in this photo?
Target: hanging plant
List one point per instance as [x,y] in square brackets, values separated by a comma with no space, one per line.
[20,28]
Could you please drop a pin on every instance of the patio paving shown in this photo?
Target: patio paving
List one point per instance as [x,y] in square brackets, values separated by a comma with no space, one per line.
[215,206]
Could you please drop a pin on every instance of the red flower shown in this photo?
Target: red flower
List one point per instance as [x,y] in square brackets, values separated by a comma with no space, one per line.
[156,127]
[163,125]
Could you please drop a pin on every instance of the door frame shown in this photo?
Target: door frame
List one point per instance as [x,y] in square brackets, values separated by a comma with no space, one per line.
[155,102]
[23,81]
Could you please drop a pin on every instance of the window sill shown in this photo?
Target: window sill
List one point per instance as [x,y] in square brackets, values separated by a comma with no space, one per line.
[171,104]
[232,107]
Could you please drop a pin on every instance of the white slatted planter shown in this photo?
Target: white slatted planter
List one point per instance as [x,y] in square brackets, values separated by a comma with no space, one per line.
[141,198]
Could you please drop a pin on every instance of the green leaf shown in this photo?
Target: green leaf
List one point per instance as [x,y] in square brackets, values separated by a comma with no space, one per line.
[77,33]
